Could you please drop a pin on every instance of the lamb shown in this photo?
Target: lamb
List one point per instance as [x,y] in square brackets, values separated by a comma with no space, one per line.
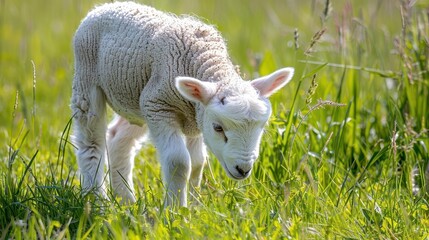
[171,77]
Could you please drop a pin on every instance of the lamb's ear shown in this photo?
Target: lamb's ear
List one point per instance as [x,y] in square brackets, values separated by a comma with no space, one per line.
[195,90]
[268,85]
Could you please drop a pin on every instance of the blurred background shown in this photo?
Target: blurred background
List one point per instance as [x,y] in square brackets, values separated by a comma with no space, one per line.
[41,31]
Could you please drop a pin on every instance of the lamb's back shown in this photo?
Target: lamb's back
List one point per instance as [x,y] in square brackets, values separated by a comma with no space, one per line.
[121,40]
[136,47]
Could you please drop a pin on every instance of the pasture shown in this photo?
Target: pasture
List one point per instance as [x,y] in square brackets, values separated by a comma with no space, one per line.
[343,156]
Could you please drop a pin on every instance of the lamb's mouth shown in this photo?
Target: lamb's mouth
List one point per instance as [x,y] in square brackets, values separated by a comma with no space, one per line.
[229,173]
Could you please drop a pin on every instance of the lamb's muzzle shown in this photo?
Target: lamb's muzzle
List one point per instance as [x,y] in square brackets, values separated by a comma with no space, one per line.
[243,173]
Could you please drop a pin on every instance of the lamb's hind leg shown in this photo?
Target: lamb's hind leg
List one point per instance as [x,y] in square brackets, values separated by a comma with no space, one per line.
[123,142]
[89,109]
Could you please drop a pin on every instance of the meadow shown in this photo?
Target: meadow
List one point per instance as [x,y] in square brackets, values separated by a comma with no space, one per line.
[344,155]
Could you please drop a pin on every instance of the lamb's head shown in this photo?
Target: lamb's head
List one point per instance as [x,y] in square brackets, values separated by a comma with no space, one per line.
[234,116]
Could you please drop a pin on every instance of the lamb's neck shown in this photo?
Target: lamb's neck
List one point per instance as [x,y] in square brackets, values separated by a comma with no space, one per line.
[199,115]
[213,68]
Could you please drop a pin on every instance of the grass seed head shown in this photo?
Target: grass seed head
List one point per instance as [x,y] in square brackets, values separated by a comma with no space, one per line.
[296,37]
[316,37]
[312,90]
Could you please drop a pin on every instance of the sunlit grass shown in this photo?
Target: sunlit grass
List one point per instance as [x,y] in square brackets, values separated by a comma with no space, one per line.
[342,157]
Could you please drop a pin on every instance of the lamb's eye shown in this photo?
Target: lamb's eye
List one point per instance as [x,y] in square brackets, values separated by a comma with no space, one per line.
[218,128]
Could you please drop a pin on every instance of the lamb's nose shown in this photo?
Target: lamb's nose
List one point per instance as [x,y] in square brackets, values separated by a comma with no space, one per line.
[243,172]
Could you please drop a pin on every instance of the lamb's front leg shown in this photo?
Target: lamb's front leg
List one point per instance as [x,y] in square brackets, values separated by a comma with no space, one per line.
[198,154]
[175,163]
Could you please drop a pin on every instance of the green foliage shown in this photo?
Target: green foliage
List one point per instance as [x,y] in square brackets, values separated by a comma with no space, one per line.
[344,156]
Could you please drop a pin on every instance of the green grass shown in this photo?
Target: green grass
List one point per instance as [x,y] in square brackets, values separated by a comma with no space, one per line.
[344,151]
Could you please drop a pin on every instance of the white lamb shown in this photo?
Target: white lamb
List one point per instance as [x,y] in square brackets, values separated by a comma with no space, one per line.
[171,76]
